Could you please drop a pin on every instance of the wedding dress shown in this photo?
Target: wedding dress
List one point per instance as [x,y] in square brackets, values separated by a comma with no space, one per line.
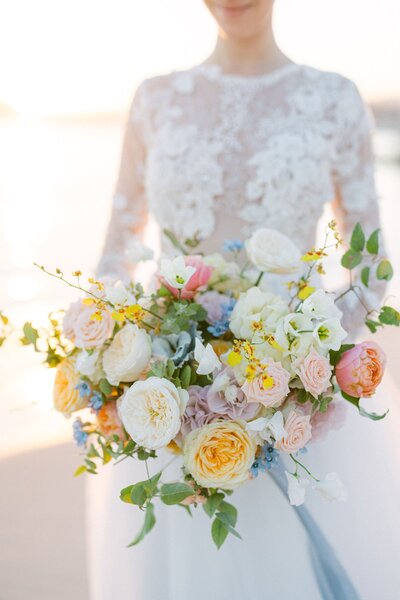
[215,156]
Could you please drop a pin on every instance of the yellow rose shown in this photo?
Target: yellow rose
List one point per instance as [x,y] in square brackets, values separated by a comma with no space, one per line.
[219,454]
[65,395]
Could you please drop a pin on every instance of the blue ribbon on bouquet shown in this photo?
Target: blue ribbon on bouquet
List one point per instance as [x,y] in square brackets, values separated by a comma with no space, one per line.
[333,581]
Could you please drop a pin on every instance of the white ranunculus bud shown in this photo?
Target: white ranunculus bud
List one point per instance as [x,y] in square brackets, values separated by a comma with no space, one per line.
[273,252]
[128,355]
[151,411]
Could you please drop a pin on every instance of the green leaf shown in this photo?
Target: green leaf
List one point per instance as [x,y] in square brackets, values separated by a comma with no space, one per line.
[357,241]
[324,403]
[336,355]
[125,494]
[213,503]
[170,367]
[356,402]
[384,270]
[31,335]
[105,387]
[230,511]
[138,493]
[219,532]
[174,493]
[80,470]
[373,242]
[351,259]
[365,275]
[149,522]
[389,316]
[151,484]
[185,376]
[372,325]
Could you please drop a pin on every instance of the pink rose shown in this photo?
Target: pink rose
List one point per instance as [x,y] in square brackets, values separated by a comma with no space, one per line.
[196,282]
[360,369]
[255,391]
[70,318]
[314,371]
[298,432]
[83,330]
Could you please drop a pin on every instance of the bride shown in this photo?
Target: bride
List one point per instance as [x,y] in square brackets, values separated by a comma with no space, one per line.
[246,139]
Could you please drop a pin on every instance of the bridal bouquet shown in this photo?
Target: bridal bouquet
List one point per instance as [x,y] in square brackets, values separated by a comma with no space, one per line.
[228,377]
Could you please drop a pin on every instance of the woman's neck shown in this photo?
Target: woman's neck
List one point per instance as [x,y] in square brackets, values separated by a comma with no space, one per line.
[248,57]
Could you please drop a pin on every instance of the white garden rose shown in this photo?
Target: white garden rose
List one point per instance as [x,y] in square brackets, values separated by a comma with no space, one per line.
[128,355]
[273,252]
[151,411]
[254,306]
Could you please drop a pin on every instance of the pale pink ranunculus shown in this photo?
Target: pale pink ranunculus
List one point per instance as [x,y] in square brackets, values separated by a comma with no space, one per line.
[360,369]
[298,432]
[255,391]
[314,371]
[89,332]
[196,282]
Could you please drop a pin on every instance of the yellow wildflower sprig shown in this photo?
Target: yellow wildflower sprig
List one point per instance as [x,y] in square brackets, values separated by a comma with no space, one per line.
[243,349]
[133,313]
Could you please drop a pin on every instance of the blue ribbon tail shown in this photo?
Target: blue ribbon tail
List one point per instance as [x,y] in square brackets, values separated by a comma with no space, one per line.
[333,581]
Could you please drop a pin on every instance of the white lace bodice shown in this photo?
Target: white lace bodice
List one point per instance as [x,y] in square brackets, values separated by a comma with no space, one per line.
[215,156]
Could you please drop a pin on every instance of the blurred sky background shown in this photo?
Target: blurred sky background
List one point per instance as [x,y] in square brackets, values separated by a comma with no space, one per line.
[68,69]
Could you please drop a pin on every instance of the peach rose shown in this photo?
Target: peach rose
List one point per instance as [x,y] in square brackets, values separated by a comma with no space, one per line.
[89,332]
[108,421]
[196,282]
[314,371]
[298,432]
[255,390]
[66,397]
[360,369]
[219,454]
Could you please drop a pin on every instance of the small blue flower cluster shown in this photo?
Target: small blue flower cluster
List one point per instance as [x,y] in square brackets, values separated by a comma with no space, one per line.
[233,245]
[222,326]
[266,458]
[95,400]
[80,436]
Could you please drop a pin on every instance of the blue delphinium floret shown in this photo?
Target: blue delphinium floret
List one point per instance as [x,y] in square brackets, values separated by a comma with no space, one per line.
[266,459]
[84,389]
[96,401]
[80,436]
[233,245]
[222,326]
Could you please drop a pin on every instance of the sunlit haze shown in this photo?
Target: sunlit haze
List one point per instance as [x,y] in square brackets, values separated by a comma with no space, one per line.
[87,57]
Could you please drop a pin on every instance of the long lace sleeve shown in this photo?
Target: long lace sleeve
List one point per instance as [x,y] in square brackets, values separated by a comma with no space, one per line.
[356,196]
[129,209]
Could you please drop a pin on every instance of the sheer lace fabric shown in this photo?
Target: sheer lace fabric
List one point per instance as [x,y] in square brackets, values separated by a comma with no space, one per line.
[213,155]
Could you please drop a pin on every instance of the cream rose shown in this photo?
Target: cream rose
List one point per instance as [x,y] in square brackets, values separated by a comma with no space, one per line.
[273,396]
[254,306]
[314,371]
[128,354]
[273,252]
[89,332]
[65,395]
[151,411]
[219,454]
[298,432]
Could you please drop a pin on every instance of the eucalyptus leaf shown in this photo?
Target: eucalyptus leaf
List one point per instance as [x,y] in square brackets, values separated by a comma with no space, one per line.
[213,503]
[148,524]
[219,532]
[174,493]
